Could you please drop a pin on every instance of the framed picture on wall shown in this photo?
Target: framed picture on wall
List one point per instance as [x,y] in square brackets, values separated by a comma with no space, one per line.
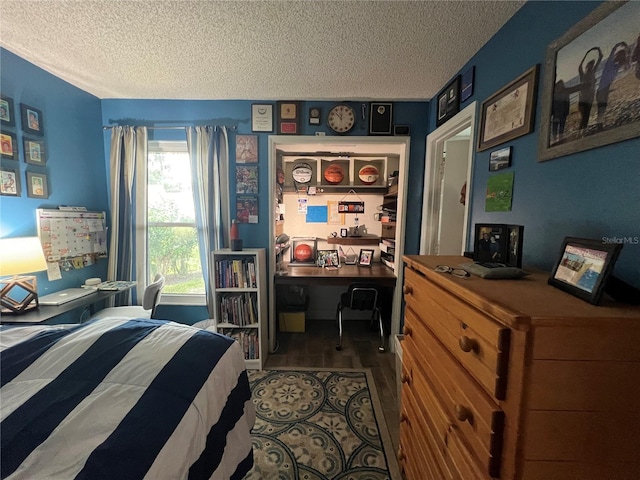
[37,185]
[509,113]
[261,117]
[601,52]
[9,182]
[32,120]
[9,145]
[7,113]
[34,151]
[448,101]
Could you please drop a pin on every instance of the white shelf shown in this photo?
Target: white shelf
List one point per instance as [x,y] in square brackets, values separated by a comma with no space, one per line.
[244,303]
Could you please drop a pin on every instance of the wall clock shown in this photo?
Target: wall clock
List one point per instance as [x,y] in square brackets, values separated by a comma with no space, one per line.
[341,118]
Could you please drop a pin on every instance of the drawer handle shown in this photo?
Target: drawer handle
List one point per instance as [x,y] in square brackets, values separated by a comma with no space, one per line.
[462,413]
[407,331]
[406,378]
[467,344]
[407,290]
[404,418]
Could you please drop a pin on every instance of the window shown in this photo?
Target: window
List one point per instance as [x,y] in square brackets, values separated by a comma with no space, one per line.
[172,241]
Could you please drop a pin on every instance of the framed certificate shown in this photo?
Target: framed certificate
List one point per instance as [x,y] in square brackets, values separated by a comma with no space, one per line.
[261,117]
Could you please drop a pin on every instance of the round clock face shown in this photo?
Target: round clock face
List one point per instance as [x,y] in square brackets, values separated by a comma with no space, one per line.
[341,118]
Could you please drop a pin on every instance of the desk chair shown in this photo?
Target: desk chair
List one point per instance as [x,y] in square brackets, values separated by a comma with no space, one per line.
[150,300]
[360,296]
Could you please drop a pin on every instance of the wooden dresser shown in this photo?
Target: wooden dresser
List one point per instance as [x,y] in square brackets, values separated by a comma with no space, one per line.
[515,379]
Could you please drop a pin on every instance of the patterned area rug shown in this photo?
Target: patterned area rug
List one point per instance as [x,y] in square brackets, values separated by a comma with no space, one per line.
[314,425]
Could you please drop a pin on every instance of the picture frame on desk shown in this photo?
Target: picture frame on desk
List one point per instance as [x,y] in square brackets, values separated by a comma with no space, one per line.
[328,259]
[365,258]
[583,267]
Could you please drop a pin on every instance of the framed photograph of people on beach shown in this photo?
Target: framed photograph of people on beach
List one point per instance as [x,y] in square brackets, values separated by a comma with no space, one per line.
[591,85]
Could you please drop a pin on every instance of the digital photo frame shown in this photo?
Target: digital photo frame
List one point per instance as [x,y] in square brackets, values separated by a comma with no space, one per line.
[583,267]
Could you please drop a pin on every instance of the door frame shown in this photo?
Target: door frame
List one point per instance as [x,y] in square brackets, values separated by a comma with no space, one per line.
[435,148]
[397,145]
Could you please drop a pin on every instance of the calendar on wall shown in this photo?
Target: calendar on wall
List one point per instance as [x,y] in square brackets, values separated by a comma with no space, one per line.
[75,239]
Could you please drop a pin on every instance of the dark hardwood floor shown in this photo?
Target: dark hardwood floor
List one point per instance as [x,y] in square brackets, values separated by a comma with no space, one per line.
[317,348]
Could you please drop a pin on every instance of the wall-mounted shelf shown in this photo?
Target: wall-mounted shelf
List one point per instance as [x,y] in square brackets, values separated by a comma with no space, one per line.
[366,240]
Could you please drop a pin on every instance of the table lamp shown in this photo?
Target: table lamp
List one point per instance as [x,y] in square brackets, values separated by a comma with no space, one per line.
[19,293]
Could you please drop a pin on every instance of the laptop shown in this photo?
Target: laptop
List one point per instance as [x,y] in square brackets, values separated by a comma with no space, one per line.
[64,296]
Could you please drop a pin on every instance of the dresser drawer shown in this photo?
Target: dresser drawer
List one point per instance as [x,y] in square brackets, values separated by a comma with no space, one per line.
[480,344]
[453,456]
[467,407]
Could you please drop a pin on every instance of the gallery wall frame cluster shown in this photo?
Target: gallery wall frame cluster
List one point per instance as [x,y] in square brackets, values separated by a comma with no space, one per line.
[34,152]
[286,117]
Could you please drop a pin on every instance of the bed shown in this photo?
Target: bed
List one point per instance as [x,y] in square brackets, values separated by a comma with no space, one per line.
[121,398]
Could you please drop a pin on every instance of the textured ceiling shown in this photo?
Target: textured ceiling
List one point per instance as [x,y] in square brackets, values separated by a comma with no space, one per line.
[298,50]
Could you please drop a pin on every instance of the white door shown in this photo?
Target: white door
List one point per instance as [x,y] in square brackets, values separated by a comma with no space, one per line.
[448,166]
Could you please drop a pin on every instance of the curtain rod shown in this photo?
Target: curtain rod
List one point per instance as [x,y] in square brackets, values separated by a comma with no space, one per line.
[109,127]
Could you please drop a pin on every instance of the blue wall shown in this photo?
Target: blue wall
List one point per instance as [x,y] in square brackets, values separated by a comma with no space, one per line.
[592,194]
[75,163]
[237,114]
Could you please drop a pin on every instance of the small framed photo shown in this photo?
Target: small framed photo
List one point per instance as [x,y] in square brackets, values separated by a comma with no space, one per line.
[261,117]
[34,151]
[9,145]
[500,159]
[583,267]
[344,232]
[491,243]
[9,182]
[365,258]
[7,113]
[32,120]
[37,185]
[448,101]
[328,258]
[246,148]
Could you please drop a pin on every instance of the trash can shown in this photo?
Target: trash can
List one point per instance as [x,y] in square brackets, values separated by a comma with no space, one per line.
[398,348]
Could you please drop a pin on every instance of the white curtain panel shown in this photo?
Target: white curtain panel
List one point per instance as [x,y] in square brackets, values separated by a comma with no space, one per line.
[127,145]
[209,154]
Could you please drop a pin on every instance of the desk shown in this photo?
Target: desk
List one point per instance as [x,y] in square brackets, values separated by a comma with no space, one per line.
[346,274]
[47,312]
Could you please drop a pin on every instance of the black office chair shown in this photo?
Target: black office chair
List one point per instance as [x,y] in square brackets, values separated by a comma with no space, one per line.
[361,296]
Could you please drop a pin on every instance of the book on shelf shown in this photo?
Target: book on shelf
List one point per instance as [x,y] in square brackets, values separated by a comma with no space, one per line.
[387,259]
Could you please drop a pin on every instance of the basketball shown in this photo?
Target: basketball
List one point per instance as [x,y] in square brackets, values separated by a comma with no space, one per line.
[334,174]
[302,253]
[368,174]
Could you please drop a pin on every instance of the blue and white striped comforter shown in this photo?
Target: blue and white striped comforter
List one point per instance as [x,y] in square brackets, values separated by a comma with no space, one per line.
[123,399]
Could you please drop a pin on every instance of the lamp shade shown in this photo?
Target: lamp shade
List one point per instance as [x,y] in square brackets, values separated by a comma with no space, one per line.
[21,255]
